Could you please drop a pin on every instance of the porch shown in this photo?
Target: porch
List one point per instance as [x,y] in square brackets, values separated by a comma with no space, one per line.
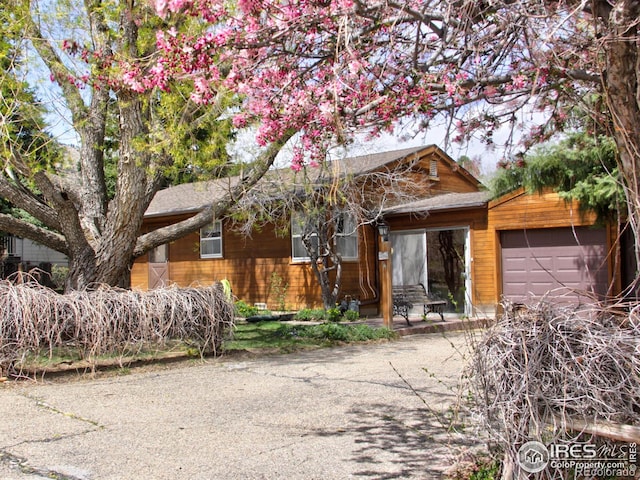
[433,324]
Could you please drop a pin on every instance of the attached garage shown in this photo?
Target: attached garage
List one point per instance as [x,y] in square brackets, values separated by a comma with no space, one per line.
[568,260]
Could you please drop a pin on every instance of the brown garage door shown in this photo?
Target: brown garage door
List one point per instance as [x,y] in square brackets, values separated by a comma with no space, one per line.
[560,259]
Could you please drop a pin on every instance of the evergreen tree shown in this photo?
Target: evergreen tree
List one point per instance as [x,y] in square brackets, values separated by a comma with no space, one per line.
[582,167]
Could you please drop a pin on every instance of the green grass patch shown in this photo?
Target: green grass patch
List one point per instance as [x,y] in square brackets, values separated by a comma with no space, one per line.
[285,337]
[68,358]
[257,338]
[322,315]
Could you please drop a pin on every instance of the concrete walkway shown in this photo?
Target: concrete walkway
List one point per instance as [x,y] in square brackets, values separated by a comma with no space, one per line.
[432,324]
[359,411]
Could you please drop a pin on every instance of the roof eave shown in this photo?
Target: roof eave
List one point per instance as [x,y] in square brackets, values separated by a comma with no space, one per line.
[174,213]
[442,208]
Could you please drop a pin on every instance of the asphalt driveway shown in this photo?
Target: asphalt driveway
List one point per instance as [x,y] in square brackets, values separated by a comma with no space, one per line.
[369,411]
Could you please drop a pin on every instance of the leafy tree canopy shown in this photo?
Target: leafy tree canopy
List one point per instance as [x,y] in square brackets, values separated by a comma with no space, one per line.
[582,167]
[22,133]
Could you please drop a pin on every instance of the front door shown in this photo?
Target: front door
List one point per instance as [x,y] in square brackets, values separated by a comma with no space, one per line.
[159,266]
[437,259]
[448,267]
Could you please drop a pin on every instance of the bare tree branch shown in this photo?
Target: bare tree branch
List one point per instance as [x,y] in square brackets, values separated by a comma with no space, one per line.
[28,230]
[237,191]
[29,203]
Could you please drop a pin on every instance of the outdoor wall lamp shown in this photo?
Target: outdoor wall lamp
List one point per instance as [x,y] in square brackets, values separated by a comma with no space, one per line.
[383,231]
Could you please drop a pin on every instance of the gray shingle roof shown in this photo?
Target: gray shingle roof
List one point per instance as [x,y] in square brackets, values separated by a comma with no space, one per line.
[445,201]
[188,197]
[192,197]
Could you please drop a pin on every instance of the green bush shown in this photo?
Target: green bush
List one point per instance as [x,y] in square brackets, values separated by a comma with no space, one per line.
[333,314]
[243,309]
[310,315]
[333,331]
[336,332]
[489,471]
[321,315]
[351,315]
[59,276]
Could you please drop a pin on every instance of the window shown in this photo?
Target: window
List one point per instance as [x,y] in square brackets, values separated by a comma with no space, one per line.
[433,168]
[346,236]
[8,245]
[160,254]
[211,240]
[298,251]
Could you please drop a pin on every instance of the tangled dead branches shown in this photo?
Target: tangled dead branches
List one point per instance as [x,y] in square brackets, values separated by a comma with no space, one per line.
[558,375]
[35,319]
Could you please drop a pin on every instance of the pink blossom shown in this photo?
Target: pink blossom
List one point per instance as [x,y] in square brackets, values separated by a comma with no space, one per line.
[490,91]
[297,161]
[130,79]
[519,81]
[240,121]
[161,7]
[177,5]
[277,58]
[345,4]
[451,88]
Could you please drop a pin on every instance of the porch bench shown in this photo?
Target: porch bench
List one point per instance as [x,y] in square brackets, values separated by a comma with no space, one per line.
[406,296]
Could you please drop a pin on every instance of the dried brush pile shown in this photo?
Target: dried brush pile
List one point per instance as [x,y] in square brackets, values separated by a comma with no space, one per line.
[106,320]
[556,375]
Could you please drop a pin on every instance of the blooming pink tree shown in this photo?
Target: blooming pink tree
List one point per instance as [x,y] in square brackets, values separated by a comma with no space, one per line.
[329,68]
[132,134]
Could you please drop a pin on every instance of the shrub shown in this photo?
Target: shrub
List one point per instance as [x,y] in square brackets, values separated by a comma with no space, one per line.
[59,276]
[333,331]
[321,315]
[337,332]
[279,290]
[351,315]
[310,315]
[243,309]
[333,314]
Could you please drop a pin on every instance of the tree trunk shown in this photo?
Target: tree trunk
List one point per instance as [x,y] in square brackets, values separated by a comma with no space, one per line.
[326,263]
[82,270]
[623,96]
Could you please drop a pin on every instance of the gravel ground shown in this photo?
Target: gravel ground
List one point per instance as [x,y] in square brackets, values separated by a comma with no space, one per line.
[360,411]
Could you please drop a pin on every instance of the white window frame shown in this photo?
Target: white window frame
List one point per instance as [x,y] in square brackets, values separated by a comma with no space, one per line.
[296,238]
[207,238]
[351,235]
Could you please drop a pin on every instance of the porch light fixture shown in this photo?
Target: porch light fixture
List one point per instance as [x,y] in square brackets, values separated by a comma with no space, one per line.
[383,231]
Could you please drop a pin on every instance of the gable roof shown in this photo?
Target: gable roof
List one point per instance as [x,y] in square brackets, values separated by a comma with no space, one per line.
[192,197]
[373,161]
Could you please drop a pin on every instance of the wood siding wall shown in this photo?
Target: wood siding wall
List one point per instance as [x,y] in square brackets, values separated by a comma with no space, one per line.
[249,263]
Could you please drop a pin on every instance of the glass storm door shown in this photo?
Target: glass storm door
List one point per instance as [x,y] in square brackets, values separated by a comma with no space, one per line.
[409,258]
